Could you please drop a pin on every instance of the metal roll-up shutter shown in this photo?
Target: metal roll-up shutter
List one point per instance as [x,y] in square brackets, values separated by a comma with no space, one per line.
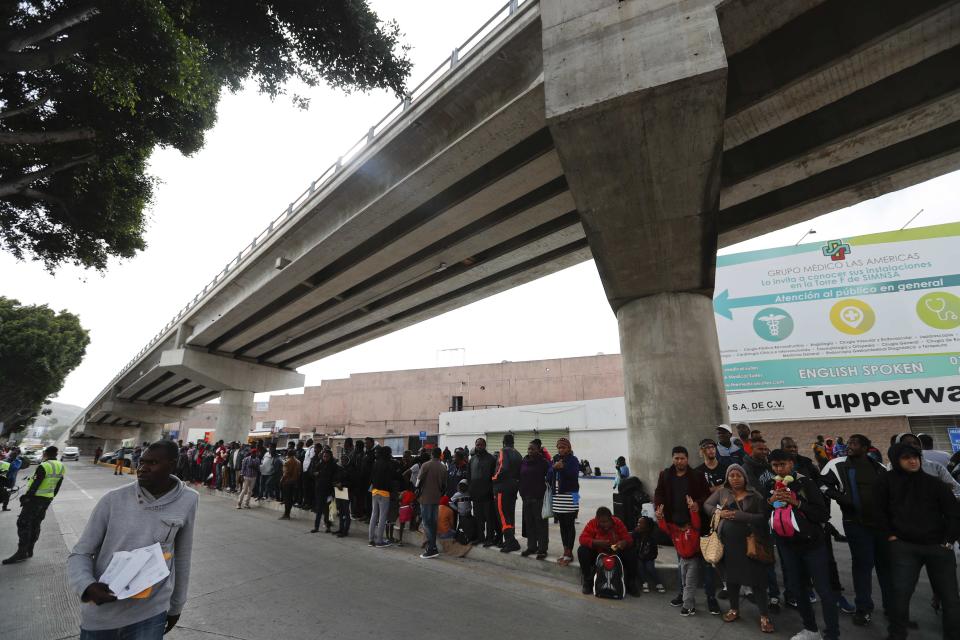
[521,439]
[937,427]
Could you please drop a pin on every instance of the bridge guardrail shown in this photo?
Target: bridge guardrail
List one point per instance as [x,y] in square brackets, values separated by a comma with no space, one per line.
[496,21]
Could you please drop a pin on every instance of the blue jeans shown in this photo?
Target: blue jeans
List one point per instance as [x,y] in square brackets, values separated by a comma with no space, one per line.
[868,551]
[647,572]
[429,513]
[149,629]
[812,563]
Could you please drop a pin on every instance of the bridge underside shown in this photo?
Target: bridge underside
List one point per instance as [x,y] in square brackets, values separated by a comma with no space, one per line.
[643,134]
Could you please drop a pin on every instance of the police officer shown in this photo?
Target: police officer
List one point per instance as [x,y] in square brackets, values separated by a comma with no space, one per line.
[43,486]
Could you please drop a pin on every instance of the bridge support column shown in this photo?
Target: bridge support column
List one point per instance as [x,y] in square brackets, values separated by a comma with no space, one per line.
[149,433]
[236,416]
[635,96]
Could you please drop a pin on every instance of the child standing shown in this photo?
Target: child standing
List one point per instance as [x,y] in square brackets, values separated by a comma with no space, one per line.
[407,498]
[646,547]
[686,539]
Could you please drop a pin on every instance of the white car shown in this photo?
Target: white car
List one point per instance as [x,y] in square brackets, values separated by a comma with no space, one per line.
[70,453]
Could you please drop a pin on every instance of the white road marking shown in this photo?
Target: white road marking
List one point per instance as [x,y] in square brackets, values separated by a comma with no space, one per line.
[74,483]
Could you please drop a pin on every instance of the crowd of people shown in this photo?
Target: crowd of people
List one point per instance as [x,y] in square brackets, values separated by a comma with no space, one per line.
[732,519]
[774,507]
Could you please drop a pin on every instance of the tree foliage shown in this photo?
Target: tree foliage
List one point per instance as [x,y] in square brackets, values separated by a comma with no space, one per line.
[38,348]
[88,88]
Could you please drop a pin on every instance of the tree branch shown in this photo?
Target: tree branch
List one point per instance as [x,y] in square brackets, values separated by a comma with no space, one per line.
[58,24]
[27,108]
[45,137]
[48,56]
[55,201]
[17,185]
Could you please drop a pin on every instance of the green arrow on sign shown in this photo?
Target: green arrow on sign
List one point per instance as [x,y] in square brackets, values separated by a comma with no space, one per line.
[724,305]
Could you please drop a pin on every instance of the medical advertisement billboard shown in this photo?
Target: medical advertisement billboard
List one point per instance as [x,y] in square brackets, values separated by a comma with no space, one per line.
[850,326]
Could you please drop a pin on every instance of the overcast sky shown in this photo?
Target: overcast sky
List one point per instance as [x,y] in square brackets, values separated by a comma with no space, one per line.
[261,154]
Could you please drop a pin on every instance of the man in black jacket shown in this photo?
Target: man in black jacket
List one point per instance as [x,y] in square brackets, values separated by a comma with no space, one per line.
[482,467]
[852,480]
[921,520]
[506,483]
[805,552]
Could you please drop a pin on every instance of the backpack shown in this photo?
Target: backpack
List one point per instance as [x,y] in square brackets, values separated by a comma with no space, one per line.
[608,581]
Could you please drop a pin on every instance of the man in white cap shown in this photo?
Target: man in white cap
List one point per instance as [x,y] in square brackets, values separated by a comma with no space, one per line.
[727,447]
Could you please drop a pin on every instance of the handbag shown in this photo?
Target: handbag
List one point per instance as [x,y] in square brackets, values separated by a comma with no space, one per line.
[332,512]
[547,511]
[757,550]
[710,545]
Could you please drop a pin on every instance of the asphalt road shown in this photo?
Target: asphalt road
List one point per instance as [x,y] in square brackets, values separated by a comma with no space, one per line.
[255,578]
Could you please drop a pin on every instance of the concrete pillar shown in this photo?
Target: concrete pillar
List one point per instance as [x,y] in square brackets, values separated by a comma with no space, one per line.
[149,432]
[236,416]
[635,94]
[673,380]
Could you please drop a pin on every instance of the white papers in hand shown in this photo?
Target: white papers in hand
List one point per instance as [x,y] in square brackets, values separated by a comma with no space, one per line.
[341,494]
[130,572]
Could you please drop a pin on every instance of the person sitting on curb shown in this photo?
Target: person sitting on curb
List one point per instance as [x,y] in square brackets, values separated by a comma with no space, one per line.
[605,533]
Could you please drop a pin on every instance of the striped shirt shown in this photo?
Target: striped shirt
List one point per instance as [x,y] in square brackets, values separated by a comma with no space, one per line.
[564,503]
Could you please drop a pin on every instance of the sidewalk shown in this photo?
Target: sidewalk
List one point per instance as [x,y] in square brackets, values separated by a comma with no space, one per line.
[594,493]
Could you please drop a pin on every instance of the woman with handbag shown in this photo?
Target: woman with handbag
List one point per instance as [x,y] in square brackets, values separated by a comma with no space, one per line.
[565,484]
[533,487]
[742,516]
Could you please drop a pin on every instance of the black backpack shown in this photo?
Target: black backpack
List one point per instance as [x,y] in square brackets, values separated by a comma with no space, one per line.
[608,581]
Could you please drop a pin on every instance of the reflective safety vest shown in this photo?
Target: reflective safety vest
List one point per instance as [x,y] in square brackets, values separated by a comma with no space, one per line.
[4,467]
[53,474]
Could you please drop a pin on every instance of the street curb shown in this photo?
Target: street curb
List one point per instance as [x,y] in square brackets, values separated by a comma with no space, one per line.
[491,555]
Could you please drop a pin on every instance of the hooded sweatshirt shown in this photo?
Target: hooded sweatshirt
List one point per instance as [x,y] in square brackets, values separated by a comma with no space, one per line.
[128,518]
[916,507]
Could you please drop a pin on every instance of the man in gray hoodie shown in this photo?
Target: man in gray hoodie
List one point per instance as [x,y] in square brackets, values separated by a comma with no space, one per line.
[156,508]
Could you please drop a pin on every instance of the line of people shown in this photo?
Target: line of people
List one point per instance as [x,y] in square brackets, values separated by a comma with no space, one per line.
[767,505]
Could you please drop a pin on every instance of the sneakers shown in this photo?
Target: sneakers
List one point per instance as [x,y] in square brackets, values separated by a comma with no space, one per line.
[688,612]
[645,587]
[774,604]
[845,606]
[661,589]
[384,544]
[713,607]
[676,602]
[806,634]
[813,597]
[371,543]
[861,618]
[429,553]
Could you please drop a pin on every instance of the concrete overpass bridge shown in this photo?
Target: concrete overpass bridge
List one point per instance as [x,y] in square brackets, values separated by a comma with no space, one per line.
[641,133]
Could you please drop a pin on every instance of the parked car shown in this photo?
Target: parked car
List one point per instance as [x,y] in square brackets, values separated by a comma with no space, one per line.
[34,456]
[126,452]
[70,453]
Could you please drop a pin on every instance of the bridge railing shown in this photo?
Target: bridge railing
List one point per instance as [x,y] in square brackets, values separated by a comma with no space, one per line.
[497,21]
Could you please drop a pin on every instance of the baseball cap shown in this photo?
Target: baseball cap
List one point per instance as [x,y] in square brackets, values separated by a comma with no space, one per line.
[724,427]
[707,442]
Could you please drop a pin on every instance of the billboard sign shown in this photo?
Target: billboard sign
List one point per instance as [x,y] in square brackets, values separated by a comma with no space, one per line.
[846,325]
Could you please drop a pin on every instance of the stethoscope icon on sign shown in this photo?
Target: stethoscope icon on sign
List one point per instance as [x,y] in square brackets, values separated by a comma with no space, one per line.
[938,305]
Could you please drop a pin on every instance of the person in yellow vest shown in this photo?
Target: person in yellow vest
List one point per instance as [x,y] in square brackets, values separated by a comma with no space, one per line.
[41,490]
